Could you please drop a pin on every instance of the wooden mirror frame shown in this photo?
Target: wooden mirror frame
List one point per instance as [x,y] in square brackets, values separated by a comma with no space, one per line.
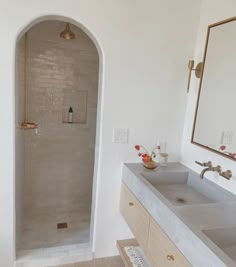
[200,87]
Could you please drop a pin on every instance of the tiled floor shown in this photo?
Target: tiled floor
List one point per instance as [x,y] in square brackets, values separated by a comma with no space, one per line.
[40,229]
[103,262]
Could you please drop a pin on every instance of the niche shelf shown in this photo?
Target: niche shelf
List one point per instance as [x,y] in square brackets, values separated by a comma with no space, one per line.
[77,99]
[66,122]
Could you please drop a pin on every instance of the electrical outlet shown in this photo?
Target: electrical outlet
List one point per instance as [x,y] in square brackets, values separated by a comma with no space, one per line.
[120,136]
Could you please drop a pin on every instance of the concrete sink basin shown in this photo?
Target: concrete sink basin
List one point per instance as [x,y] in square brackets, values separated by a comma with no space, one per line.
[185,188]
[225,239]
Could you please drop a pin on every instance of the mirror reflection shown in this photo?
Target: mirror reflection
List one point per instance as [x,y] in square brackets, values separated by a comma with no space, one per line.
[214,126]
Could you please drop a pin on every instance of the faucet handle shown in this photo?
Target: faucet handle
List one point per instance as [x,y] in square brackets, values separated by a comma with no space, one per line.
[217,169]
[226,174]
[204,164]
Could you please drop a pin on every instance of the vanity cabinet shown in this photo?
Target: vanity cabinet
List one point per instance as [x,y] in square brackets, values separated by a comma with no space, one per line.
[158,248]
[161,250]
[136,216]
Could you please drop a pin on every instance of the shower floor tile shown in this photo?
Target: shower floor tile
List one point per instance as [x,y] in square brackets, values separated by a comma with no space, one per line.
[40,229]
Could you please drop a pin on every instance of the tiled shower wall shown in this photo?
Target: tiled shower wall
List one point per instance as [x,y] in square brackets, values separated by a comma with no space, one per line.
[59,160]
[20,140]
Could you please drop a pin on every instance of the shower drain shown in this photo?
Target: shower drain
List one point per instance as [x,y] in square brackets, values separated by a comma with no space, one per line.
[62,225]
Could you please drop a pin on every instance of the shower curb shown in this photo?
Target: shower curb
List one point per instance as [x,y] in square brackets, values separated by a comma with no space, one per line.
[53,256]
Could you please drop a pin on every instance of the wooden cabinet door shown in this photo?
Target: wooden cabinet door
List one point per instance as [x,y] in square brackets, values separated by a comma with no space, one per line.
[161,251]
[135,215]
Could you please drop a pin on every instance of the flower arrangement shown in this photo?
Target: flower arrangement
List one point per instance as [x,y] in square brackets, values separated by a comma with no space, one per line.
[223,149]
[147,158]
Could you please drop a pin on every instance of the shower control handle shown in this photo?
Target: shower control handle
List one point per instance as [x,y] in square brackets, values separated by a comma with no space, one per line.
[170,257]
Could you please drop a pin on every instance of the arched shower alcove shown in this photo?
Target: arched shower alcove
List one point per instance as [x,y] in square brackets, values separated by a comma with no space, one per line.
[56,162]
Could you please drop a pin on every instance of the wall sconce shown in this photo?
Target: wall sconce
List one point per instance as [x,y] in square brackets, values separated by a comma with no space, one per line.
[198,71]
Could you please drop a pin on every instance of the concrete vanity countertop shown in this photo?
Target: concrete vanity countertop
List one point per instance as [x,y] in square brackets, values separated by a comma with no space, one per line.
[186,224]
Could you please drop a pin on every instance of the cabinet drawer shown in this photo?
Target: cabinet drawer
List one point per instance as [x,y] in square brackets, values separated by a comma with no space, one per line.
[162,251]
[135,215]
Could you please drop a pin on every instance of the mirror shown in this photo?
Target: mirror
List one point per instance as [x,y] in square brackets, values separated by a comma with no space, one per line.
[214,124]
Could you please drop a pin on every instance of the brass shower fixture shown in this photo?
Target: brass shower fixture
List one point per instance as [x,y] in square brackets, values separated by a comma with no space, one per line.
[26,125]
[67,33]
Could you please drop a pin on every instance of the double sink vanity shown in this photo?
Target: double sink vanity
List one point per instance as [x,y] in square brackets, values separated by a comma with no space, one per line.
[177,218]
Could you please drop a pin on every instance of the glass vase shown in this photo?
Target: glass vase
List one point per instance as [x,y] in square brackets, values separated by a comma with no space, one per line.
[150,164]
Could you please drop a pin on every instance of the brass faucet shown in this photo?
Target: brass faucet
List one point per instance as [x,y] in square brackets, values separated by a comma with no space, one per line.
[226,174]
[204,164]
[213,169]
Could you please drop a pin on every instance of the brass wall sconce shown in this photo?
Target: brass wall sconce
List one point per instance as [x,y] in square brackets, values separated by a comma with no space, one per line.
[198,71]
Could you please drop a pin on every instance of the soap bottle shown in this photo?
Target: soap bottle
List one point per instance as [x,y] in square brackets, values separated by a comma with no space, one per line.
[70,115]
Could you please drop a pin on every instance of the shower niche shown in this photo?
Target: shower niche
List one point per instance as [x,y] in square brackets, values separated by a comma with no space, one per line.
[77,99]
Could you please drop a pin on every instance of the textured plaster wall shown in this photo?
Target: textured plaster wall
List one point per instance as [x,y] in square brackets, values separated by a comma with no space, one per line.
[144,47]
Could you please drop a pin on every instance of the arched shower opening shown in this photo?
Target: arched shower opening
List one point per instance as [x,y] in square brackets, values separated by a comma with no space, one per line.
[57,80]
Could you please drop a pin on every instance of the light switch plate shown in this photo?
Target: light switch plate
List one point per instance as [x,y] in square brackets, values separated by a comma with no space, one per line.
[227,137]
[120,136]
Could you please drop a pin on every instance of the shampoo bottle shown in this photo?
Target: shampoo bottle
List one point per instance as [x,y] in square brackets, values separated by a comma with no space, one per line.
[70,115]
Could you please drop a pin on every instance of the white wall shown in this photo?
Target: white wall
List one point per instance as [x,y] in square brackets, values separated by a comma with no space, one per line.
[211,11]
[145,46]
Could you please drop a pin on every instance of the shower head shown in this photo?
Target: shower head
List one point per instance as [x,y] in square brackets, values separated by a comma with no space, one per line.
[67,33]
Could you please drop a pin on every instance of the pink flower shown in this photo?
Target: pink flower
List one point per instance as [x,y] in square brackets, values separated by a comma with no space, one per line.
[222,147]
[139,154]
[158,147]
[137,147]
[146,158]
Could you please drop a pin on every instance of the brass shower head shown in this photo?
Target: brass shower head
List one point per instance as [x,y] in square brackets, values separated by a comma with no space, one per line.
[67,33]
